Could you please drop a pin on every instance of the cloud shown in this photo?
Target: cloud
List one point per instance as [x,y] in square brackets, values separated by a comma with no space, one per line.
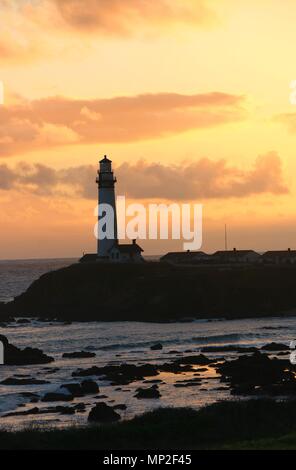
[27,26]
[202,179]
[130,16]
[55,121]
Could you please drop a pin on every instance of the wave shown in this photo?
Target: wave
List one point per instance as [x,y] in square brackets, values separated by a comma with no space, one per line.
[196,340]
[228,337]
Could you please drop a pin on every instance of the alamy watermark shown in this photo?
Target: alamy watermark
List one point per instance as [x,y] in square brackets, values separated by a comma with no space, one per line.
[1,353]
[152,221]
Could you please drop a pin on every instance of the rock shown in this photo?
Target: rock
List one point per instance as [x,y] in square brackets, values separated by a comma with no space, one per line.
[79,355]
[119,374]
[120,406]
[174,367]
[188,383]
[243,389]
[29,381]
[156,347]
[31,411]
[89,387]
[23,321]
[102,413]
[18,357]
[151,392]
[200,360]
[258,374]
[73,389]
[56,396]
[80,407]
[65,410]
[275,347]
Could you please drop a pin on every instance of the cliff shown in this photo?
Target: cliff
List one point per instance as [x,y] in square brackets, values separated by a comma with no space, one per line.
[156,292]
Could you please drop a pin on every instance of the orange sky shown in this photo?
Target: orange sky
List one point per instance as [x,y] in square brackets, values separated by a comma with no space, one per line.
[189,98]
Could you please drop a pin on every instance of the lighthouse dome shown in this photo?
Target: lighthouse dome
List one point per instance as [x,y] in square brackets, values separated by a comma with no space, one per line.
[105,164]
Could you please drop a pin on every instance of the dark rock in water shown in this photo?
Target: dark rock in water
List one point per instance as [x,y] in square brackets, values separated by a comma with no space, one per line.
[120,406]
[74,389]
[5,316]
[151,392]
[174,367]
[195,382]
[56,396]
[79,355]
[65,410]
[80,407]
[259,374]
[275,347]
[23,321]
[89,387]
[119,375]
[14,356]
[102,413]
[156,347]
[243,389]
[31,411]
[29,381]
[200,360]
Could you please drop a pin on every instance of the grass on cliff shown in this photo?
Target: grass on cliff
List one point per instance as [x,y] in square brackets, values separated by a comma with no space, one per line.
[254,424]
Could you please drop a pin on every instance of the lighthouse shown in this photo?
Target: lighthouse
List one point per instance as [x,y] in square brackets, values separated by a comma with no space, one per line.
[108,248]
[106,193]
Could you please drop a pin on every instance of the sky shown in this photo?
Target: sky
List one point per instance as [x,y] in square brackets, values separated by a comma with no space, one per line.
[193,101]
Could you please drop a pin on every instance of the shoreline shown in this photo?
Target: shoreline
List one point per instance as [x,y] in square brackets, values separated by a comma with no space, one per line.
[254,424]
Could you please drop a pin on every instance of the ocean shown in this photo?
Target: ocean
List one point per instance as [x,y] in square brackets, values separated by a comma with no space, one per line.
[117,343]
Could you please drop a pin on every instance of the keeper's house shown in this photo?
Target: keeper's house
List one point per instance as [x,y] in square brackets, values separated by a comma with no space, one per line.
[236,256]
[279,257]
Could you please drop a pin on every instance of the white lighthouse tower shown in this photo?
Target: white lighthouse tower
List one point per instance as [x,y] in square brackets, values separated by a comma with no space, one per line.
[106,189]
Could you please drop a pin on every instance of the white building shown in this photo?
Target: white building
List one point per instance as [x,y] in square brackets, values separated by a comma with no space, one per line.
[106,195]
[108,248]
[126,253]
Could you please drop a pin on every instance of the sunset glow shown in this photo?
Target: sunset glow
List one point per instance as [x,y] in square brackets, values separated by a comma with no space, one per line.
[189,98]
